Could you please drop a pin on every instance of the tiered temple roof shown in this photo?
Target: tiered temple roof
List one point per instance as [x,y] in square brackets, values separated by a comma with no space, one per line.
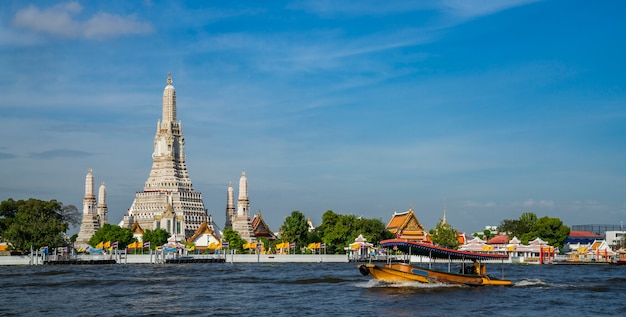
[260,228]
[406,226]
[203,237]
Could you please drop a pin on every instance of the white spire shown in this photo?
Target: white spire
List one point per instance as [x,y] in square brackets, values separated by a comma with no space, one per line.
[89,184]
[169,102]
[230,197]
[103,210]
[243,203]
[102,195]
[243,186]
[230,205]
[89,201]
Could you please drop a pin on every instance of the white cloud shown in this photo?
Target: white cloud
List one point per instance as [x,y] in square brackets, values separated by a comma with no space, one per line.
[489,204]
[56,20]
[109,25]
[460,9]
[470,9]
[528,203]
[586,204]
[61,21]
[546,203]
[533,203]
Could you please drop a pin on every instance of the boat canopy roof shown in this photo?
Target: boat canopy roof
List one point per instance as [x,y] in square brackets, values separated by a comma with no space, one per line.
[432,251]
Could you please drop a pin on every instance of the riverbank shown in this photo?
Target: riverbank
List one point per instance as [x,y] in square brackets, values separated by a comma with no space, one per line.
[155,258]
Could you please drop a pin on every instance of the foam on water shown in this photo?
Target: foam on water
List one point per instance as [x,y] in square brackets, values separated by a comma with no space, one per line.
[530,282]
[374,283]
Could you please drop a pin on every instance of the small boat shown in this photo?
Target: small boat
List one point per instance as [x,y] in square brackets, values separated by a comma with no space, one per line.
[619,261]
[402,272]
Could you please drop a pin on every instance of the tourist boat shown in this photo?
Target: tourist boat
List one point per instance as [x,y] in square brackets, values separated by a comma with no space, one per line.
[405,272]
[619,260]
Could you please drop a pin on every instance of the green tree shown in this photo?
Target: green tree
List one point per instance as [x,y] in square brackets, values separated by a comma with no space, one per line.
[295,229]
[528,228]
[374,230]
[156,237]
[335,231]
[267,244]
[518,227]
[109,232]
[551,230]
[444,235]
[509,226]
[338,231]
[71,215]
[234,239]
[525,225]
[33,222]
[485,235]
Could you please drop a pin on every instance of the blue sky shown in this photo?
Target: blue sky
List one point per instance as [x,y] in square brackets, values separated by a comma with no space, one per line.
[491,108]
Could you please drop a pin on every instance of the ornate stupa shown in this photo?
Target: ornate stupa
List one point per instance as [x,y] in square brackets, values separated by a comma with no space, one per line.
[168,200]
[103,209]
[230,206]
[93,216]
[241,220]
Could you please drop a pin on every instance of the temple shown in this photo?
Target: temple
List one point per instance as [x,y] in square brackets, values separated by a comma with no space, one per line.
[261,229]
[230,206]
[94,215]
[240,220]
[406,226]
[168,200]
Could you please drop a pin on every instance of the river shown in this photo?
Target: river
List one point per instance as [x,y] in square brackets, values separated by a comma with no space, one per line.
[301,289]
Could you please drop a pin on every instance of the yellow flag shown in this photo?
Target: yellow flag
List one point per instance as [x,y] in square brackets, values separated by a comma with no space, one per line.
[107,244]
[99,245]
[132,245]
[193,247]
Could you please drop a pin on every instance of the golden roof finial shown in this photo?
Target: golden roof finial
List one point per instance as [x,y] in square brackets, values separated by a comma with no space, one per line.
[169,78]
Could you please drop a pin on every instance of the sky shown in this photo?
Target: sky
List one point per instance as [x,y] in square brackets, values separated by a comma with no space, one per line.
[487,109]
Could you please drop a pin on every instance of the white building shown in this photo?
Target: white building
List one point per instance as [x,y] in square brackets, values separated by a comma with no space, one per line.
[94,215]
[168,199]
[615,239]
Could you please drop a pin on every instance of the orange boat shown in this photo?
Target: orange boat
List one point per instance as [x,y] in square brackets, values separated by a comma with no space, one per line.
[402,272]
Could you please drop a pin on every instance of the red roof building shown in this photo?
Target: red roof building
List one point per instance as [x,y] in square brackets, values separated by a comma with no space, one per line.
[499,239]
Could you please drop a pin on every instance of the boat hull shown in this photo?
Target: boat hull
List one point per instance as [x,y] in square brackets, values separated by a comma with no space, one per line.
[400,272]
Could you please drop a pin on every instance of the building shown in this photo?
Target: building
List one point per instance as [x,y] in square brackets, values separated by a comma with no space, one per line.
[406,226]
[253,228]
[239,219]
[597,251]
[261,229]
[535,252]
[615,239]
[205,238]
[168,200]
[230,206]
[94,215]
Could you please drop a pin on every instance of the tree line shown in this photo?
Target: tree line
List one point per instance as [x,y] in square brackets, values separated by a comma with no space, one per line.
[38,223]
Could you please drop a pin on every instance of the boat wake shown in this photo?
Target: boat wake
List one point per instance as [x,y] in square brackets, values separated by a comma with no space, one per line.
[373,283]
[531,282]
